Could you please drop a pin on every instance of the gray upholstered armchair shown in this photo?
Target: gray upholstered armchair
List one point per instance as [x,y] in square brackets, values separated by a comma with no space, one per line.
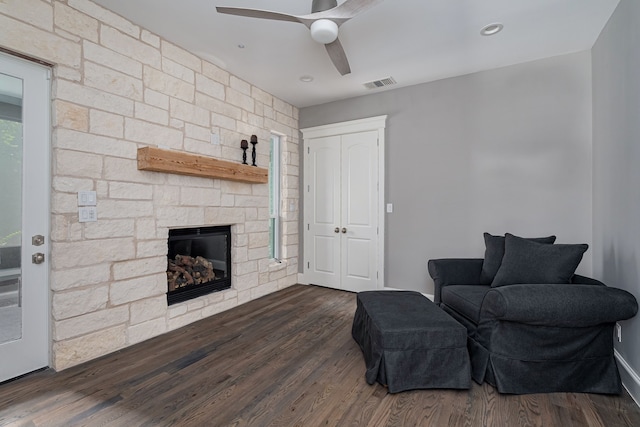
[533,338]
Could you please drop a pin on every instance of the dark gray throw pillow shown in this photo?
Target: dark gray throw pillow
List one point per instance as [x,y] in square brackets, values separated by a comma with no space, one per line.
[525,261]
[494,251]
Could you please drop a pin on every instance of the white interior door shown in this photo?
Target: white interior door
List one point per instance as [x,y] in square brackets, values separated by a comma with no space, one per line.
[341,211]
[24,216]
[323,225]
[359,214]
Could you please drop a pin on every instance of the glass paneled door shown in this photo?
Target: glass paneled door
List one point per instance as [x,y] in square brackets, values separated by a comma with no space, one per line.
[24,208]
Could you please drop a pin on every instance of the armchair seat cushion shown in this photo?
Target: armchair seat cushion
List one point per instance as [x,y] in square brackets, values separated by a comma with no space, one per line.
[466,299]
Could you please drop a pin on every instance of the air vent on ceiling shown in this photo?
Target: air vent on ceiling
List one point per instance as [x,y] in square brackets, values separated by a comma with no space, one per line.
[380,83]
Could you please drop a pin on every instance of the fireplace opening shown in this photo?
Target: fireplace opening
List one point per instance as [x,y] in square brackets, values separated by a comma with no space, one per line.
[199,262]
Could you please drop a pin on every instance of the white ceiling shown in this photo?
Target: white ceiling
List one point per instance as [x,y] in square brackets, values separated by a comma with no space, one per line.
[413,41]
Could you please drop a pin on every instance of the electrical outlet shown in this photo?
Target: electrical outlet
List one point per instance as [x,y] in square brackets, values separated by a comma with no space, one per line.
[619,332]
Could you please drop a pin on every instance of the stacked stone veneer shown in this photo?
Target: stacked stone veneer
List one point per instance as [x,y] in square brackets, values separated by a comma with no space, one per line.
[117,87]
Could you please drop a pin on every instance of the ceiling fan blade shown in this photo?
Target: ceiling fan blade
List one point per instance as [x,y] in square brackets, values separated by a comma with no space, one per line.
[350,8]
[322,5]
[338,57]
[255,13]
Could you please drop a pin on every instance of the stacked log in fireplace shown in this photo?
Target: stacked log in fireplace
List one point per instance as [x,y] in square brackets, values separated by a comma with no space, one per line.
[185,270]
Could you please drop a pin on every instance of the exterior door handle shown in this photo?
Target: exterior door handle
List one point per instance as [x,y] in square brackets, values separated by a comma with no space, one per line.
[37,258]
[337,230]
[344,230]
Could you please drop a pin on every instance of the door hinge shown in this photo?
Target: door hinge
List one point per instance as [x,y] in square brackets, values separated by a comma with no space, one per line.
[308,150]
[308,267]
[308,227]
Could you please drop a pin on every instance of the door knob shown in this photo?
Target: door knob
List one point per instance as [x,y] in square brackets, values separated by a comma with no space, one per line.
[337,230]
[344,230]
[37,258]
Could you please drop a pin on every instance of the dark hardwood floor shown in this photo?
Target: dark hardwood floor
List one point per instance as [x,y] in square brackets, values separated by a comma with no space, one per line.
[287,359]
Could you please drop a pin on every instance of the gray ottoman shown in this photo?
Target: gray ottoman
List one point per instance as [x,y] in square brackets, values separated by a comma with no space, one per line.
[410,343]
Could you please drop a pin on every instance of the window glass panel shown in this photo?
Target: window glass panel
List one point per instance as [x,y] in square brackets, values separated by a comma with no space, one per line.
[11,186]
[274,197]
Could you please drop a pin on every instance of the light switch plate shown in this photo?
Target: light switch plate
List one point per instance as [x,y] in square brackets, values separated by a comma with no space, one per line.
[389,207]
[87,198]
[87,214]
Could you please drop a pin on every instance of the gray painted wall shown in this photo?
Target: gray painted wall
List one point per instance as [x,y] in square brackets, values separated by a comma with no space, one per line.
[616,181]
[506,150]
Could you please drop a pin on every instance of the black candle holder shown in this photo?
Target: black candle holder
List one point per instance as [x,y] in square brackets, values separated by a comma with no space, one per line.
[244,145]
[254,141]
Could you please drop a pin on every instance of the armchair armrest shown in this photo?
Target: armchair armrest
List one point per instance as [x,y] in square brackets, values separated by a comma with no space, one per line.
[558,305]
[453,271]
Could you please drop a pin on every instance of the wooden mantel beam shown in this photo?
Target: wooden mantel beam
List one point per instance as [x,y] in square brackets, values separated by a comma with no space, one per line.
[181,163]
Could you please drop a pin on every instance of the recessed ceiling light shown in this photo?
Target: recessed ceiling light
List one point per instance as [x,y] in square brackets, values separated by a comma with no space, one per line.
[306,79]
[491,29]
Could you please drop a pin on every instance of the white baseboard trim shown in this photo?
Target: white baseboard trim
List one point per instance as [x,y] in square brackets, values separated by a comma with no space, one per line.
[301,279]
[630,379]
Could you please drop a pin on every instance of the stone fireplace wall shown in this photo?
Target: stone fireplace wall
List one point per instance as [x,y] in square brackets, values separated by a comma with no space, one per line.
[117,87]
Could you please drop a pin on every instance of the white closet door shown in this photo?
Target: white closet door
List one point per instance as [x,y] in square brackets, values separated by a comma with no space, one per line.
[323,212]
[341,214]
[359,216]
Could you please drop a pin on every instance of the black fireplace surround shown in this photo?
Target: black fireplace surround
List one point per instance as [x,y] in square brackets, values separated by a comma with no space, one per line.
[199,262]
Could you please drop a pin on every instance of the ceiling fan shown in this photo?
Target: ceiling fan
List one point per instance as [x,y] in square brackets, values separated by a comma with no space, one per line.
[323,21]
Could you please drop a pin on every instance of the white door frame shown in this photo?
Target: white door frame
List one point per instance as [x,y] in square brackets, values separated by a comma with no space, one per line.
[36,195]
[378,124]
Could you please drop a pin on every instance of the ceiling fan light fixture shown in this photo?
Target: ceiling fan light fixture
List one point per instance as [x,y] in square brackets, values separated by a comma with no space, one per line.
[324,31]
